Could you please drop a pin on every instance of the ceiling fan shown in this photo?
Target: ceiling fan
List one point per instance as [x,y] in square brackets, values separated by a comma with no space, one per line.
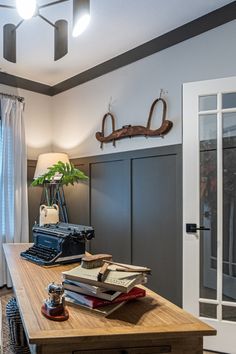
[29,8]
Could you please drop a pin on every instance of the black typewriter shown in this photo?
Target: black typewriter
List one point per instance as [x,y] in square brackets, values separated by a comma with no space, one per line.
[58,243]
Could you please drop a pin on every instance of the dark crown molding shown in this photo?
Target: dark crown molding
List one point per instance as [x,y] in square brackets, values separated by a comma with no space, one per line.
[19,82]
[189,30]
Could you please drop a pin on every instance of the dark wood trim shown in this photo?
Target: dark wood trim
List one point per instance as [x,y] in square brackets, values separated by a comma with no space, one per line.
[19,82]
[189,30]
[127,155]
[31,163]
[123,155]
[211,351]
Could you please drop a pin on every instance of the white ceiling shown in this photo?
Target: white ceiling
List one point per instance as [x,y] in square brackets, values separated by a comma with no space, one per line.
[116,26]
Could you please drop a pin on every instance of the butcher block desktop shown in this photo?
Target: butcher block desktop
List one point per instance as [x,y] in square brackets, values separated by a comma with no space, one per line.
[148,325]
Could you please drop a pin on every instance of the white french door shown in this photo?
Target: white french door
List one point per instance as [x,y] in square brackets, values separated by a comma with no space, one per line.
[209,202]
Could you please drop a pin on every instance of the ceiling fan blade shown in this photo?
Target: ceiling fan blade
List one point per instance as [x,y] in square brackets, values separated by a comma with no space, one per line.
[7,7]
[60,39]
[9,42]
[51,3]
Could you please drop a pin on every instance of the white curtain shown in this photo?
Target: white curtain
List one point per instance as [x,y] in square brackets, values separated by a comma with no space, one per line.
[13,179]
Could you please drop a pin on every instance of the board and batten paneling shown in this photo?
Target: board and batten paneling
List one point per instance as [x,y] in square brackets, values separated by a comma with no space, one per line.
[34,197]
[77,198]
[133,200]
[110,208]
[136,210]
[155,225]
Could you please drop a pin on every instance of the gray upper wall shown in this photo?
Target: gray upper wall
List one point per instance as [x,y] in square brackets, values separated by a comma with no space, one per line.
[68,122]
[77,113]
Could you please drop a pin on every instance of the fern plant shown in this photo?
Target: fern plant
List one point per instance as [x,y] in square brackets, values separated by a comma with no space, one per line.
[64,173]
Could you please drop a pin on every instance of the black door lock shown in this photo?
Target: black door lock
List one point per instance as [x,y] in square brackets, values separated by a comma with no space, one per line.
[192,228]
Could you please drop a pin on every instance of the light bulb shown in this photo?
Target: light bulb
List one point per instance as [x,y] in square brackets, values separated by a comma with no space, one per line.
[81,25]
[26,8]
[81,16]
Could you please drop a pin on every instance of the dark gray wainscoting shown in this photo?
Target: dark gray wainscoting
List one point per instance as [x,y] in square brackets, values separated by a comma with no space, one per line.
[77,198]
[34,197]
[110,208]
[134,201]
[156,222]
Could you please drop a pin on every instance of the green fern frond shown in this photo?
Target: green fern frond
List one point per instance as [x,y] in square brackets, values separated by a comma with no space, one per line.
[69,174]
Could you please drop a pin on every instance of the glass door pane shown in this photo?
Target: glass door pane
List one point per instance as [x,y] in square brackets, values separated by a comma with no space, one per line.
[229,100]
[229,208]
[208,210]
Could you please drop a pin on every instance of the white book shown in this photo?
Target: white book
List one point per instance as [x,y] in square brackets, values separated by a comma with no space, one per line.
[115,280]
[104,294]
[91,288]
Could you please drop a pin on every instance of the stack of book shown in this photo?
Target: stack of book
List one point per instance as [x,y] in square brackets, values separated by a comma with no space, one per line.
[82,288]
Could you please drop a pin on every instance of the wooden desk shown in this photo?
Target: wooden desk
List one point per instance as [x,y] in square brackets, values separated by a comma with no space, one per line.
[149,325]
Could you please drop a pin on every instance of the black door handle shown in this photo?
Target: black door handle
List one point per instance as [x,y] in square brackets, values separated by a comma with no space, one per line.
[192,228]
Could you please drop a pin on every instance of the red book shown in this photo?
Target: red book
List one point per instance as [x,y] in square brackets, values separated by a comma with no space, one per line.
[94,302]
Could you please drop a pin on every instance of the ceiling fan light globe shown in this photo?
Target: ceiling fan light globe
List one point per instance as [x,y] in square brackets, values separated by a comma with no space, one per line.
[81,25]
[26,8]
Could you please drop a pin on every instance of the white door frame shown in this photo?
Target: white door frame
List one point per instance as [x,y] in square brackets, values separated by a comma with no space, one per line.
[191,193]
